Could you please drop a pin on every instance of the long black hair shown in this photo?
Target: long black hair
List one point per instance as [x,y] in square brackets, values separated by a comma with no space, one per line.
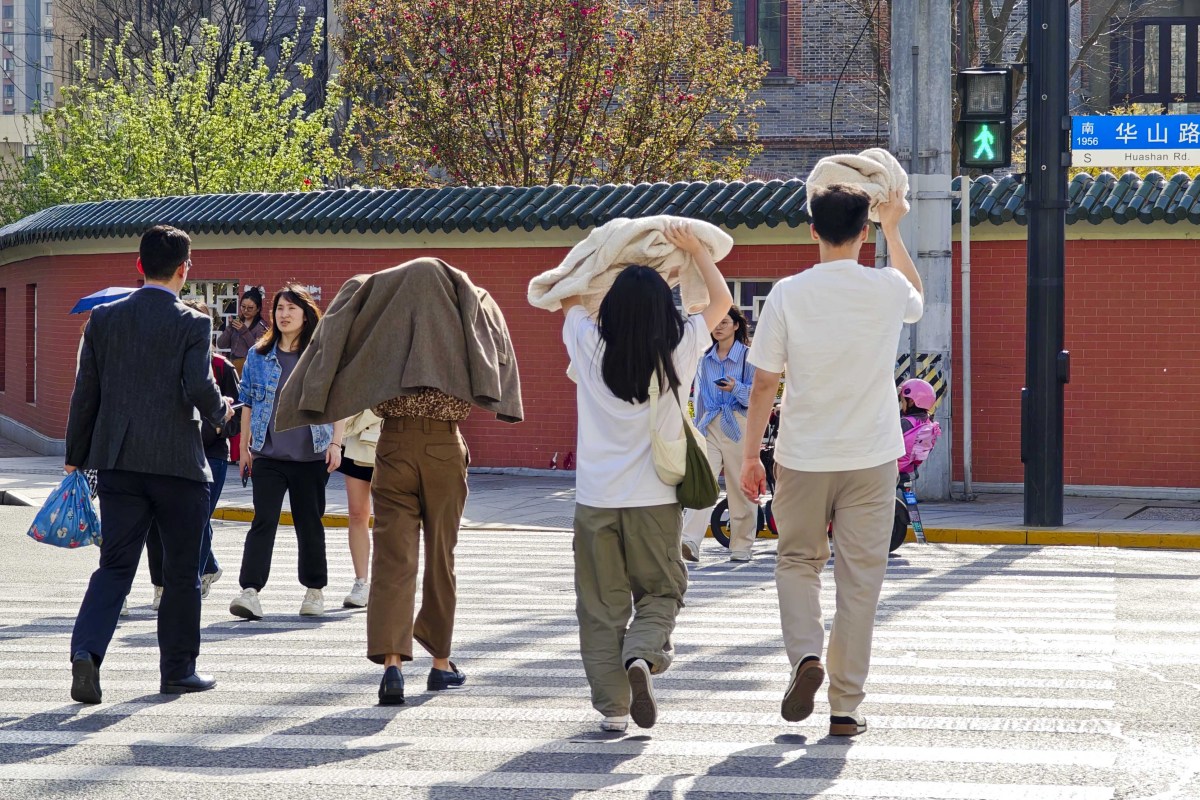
[640,329]
[255,296]
[742,332]
[295,294]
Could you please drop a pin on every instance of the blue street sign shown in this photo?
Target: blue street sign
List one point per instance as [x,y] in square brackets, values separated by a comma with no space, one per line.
[1161,140]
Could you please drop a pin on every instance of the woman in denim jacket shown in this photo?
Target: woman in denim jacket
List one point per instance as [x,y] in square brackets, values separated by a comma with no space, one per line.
[296,461]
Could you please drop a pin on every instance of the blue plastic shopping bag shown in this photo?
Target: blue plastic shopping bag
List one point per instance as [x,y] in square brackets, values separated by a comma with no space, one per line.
[68,518]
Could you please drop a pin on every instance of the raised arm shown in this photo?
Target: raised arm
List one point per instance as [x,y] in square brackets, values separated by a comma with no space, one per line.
[890,214]
[679,233]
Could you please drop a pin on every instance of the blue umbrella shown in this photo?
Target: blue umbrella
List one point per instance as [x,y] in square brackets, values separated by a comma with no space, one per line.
[101,297]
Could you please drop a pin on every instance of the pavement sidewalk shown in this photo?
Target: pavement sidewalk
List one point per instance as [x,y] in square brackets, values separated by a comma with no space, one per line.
[506,501]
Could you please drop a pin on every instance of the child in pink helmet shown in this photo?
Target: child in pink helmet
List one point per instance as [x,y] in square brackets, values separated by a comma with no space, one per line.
[921,432]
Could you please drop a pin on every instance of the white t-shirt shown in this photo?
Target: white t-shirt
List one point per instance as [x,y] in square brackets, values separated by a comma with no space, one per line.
[835,328]
[615,468]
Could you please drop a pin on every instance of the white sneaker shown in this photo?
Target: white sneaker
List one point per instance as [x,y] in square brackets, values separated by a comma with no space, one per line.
[358,594]
[740,555]
[314,603]
[207,580]
[125,607]
[157,597]
[615,724]
[690,551]
[246,605]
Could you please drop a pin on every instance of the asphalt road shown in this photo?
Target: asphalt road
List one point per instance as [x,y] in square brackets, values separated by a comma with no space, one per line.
[1000,673]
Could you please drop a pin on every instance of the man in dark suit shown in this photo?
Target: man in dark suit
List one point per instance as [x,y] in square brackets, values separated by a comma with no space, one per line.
[144,373]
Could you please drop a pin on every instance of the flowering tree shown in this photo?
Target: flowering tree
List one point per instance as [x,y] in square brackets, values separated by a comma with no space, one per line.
[529,92]
[156,128]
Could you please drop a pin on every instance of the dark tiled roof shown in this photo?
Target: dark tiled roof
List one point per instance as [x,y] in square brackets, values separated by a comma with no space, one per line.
[495,208]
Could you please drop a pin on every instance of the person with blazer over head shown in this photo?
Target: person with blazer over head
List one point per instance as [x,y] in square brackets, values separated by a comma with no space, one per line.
[144,384]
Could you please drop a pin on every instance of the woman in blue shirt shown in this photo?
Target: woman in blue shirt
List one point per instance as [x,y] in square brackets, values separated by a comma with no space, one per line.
[296,461]
[722,396]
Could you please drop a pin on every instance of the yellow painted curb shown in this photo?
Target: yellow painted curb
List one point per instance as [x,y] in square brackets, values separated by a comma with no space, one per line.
[246,514]
[1037,537]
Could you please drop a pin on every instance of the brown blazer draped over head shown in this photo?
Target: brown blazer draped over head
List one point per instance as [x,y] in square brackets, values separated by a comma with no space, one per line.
[420,324]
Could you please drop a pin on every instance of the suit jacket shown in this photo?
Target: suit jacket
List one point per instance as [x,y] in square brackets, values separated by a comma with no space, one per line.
[143,373]
[420,324]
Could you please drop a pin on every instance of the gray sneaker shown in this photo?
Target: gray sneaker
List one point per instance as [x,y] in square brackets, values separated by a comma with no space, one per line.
[246,605]
[207,580]
[642,706]
[157,598]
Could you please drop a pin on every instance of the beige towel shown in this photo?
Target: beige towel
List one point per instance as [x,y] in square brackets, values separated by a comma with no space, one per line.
[590,268]
[876,171]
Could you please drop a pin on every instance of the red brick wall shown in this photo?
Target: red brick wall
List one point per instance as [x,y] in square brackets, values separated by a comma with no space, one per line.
[1133,410]
[1132,407]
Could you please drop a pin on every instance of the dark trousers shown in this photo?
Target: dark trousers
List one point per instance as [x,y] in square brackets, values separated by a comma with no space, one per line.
[208,561]
[304,482]
[129,503]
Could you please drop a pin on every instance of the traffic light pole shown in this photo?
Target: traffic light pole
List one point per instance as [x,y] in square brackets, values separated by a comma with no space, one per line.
[1046,361]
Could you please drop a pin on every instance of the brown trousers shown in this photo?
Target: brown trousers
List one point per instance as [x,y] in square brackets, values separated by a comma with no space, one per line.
[420,484]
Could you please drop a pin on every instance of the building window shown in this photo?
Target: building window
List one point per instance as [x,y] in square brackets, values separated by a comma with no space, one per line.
[763,23]
[7,39]
[1154,60]
[48,90]
[8,65]
[49,62]
[48,36]
[3,337]
[30,342]
[8,12]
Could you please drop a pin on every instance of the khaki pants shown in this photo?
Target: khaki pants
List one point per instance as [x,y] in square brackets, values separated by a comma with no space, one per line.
[419,485]
[861,505]
[627,561]
[743,514]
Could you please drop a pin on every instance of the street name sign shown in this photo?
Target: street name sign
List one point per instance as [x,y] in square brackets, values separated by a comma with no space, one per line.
[1136,141]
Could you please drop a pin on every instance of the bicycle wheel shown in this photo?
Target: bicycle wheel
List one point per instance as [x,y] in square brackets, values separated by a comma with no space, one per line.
[769,517]
[899,526]
[719,521]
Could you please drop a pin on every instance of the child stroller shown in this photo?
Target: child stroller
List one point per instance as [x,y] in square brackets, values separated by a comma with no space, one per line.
[919,439]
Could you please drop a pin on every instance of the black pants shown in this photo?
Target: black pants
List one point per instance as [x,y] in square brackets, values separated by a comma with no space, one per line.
[129,503]
[208,562]
[304,482]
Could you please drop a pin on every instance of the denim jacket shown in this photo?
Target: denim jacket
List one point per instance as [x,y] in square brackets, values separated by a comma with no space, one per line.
[260,379]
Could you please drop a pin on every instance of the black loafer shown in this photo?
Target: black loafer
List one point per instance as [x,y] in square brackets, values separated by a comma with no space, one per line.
[85,678]
[440,679]
[391,688]
[192,683]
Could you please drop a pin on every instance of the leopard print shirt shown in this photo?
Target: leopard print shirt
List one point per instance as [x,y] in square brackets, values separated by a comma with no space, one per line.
[428,403]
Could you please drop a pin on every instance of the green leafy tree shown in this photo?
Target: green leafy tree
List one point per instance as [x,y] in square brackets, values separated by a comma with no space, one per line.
[152,128]
[531,92]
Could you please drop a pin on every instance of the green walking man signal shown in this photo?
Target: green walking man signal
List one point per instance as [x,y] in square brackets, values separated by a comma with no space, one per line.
[985,118]
[983,144]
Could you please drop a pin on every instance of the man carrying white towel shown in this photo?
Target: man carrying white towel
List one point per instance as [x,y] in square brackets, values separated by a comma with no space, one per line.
[835,329]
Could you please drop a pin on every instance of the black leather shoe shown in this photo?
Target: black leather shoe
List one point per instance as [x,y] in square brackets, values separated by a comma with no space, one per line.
[85,678]
[391,688]
[440,679]
[192,683]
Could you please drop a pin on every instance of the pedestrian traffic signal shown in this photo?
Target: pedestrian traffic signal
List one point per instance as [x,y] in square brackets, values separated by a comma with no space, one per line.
[985,118]
[984,145]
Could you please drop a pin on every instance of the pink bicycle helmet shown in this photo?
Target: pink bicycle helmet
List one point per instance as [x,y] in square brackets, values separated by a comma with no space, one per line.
[920,392]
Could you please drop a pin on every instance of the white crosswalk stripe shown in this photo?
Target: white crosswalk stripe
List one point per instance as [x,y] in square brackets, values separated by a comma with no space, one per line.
[993,678]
